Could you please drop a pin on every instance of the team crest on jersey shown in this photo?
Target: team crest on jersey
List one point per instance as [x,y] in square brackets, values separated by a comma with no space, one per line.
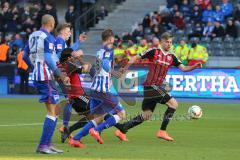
[107,54]
[169,58]
[51,46]
[59,46]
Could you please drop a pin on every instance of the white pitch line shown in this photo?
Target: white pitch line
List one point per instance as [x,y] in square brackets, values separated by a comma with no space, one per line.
[26,124]
[21,124]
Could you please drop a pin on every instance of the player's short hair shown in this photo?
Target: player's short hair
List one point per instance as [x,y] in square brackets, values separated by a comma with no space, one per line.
[66,53]
[107,34]
[62,26]
[47,18]
[166,36]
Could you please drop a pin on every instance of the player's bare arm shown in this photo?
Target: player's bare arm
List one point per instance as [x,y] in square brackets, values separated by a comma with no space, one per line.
[189,68]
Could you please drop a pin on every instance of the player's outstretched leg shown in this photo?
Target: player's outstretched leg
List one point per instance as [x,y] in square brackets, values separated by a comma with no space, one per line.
[75,141]
[109,122]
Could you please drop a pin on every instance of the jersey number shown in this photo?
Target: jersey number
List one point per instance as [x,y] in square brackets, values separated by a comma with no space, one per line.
[33,45]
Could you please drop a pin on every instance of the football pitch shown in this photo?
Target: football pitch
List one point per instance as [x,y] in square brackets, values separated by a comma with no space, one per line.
[216,136]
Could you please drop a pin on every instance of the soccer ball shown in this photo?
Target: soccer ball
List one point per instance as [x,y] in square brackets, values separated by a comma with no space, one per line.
[195,112]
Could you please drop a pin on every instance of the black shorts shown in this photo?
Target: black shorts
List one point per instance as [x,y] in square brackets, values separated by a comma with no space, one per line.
[81,104]
[153,95]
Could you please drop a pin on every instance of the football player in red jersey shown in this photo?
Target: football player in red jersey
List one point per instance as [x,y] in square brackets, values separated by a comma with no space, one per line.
[160,61]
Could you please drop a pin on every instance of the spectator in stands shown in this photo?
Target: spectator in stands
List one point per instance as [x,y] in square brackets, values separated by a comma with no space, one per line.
[35,13]
[178,20]
[131,50]
[174,9]
[182,51]
[208,14]
[227,8]
[196,15]
[197,31]
[157,16]
[142,47]
[155,43]
[23,73]
[166,20]
[49,8]
[1,20]
[231,29]
[208,29]
[138,32]
[6,14]
[146,22]
[18,41]
[26,13]
[204,3]
[197,54]
[28,26]
[218,14]
[218,30]
[127,37]
[14,24]
[4,50]
[102,13]
[70,15]
[185,9]
[236,14]
[156,31]
[171,3]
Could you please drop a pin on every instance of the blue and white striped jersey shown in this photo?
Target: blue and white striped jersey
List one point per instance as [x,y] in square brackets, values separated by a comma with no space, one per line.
[60,45]
[102,79]
[41,42]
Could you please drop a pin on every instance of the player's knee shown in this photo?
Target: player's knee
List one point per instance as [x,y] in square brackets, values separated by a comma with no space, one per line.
[172,103]
[122,115]
[98,118]
[147,114]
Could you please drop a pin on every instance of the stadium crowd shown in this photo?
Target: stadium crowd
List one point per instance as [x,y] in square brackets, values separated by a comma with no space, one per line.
[196,25]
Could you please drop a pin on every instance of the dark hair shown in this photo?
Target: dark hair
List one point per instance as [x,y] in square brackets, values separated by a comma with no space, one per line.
[63,26]
[66,53]
[166,36]
[106,34]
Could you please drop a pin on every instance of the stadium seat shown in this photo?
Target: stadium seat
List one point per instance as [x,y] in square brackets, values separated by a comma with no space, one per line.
[228,39]
[210,52]
[217,39]
[217,46]
[217,52]
[205,39]
[228,46]
[236,53]
[194,39]
[179,32]
[230,52]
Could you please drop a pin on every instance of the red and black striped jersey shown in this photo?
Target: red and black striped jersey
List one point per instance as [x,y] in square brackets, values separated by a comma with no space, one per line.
[159,63]
[75,90]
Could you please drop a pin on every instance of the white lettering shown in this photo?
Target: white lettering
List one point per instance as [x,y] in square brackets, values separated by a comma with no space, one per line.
[202,80]
[232,84]
[177,82]
[190,83]
[217,81]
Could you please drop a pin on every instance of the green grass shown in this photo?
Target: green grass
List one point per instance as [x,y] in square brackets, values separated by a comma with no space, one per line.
[213,137]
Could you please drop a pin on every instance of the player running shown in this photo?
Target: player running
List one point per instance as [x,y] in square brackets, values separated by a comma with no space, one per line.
[101,99]
[160,60]
[75,93]
[64,33]
[41,49]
